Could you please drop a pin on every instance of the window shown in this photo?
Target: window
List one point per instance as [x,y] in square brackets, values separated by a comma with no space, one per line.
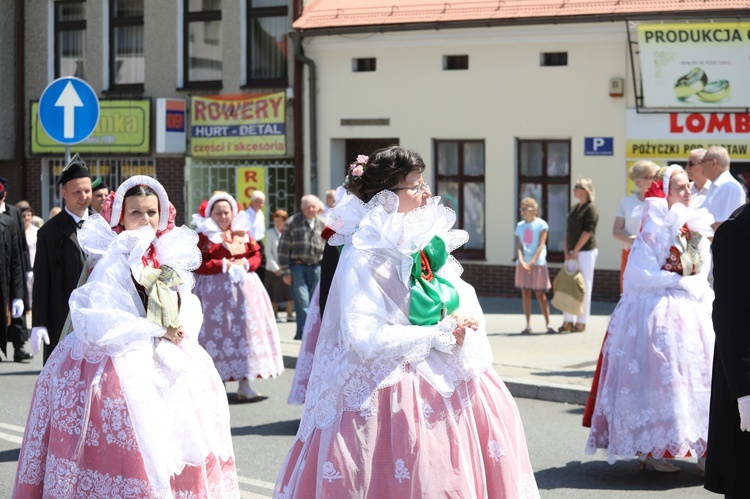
[455,62]
[202,44]
[544,174]
[126,55]
[554,59]
[363,64]
[70,38]
[268,45]
[459,180]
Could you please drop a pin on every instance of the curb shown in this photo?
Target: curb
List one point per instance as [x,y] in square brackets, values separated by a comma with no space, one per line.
[549,392]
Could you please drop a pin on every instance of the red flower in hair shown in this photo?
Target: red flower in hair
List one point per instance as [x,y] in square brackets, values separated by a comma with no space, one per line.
[202,208]
[656,190]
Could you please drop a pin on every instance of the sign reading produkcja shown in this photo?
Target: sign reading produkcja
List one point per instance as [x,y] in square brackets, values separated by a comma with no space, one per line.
[695,65]
[238,125]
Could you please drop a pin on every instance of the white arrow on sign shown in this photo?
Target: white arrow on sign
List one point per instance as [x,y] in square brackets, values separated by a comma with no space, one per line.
[69,100]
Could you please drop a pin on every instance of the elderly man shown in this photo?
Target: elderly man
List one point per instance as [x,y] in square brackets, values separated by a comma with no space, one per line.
[59,260]
[726,194]
[300,251]
[699,184]
[258,227]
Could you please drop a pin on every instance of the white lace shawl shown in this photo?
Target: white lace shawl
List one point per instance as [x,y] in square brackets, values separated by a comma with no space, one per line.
[661,226]
[209,228]
[366,338]
[156,376]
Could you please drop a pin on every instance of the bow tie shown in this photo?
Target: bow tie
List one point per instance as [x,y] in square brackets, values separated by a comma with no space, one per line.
[79,224]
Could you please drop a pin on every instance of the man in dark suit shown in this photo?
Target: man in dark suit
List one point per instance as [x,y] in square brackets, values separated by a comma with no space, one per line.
[17,331]
[728,458]
[11,279]
[59,259]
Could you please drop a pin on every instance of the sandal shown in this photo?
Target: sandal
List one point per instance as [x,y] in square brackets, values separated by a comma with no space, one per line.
[551,330]
[565,328]
[578,328]
[527,330]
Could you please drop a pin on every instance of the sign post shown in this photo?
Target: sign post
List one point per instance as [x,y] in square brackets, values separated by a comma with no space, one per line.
[68,111]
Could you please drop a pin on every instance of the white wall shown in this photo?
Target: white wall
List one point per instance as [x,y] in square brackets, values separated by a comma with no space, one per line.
[505,95]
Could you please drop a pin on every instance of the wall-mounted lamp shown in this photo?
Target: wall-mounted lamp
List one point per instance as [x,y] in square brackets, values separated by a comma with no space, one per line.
[616,87]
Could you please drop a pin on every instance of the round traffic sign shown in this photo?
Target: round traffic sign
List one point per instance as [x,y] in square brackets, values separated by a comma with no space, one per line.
[69,110]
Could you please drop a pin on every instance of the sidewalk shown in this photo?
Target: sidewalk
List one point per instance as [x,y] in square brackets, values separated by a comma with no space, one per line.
[557,367]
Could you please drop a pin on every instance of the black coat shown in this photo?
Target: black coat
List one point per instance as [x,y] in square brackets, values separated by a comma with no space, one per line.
[728,459]
[57,268]
[11,275]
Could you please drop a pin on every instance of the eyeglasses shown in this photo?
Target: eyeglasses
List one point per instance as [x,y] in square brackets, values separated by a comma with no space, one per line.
[693,163]
[528,208]
[417,189]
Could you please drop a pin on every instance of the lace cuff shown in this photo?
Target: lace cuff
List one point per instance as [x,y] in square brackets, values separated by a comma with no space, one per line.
[444,341]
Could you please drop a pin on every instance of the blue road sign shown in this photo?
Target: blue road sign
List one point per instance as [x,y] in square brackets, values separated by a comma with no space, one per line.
[598,146]
[69,110]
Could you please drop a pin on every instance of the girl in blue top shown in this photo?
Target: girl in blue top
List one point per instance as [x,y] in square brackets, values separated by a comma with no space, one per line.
[531,271]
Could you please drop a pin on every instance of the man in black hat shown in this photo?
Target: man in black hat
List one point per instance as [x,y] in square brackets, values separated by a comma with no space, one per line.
[59,259]
[17,332]
[99,191]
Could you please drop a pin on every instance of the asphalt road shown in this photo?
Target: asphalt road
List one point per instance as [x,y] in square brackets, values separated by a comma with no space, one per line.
[263,431]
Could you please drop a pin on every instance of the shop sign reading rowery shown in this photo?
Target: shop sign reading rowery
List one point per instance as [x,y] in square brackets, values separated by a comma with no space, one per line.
[701,65]
[671,137]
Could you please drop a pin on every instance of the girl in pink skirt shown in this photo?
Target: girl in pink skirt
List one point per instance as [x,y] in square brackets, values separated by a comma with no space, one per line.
[129,404]
[531,270]
[239,327]
[402,399]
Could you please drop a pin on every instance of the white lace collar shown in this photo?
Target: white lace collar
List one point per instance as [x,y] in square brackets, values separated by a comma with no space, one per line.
[697,219]
[177,248]
[377,225]
[209,228]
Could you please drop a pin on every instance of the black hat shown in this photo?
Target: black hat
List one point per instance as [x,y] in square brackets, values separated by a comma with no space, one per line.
[76,168]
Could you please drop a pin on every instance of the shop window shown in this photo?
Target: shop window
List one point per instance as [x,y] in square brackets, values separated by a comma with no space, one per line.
[267,43]
[544,174]
[363,64]
[202,57]
[554,59]
[455,62]
[126,54]
[70,38]
[459,180]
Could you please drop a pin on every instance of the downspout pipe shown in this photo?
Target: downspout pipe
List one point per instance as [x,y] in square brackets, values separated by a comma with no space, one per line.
[313,106]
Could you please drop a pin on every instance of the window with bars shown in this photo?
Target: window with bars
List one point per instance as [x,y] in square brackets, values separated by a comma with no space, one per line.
[70,38]
[202,42]
[267,43]
[544,174]
[126,54]
[459,180]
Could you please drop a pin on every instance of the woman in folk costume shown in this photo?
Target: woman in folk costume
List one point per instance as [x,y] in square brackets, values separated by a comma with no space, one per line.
[129,404]
[402,400]
[239,328]
[655,381]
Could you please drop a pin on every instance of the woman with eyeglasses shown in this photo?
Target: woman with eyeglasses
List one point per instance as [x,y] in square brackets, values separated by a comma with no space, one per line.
[580,246]
[629,213]
[402,399]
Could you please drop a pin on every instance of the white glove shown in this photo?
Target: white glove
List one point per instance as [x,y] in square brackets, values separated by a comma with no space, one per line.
[743,403]
[16,308]
[38,334]
[237,273]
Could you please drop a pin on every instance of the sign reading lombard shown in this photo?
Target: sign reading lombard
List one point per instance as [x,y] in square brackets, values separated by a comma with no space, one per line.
[124,127]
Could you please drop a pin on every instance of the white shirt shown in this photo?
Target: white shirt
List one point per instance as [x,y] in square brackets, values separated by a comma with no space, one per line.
[76,218]
[257,223]
[724,196]
[698,196]
[626,211]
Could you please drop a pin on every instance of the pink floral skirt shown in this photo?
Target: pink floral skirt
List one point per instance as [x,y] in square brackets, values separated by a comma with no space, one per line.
[537,279]
[239,329]
[416,443]
[80,442]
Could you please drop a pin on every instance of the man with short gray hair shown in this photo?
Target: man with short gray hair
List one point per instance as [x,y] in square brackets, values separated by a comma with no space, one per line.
[726,193]
[699,184]
[300,251]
